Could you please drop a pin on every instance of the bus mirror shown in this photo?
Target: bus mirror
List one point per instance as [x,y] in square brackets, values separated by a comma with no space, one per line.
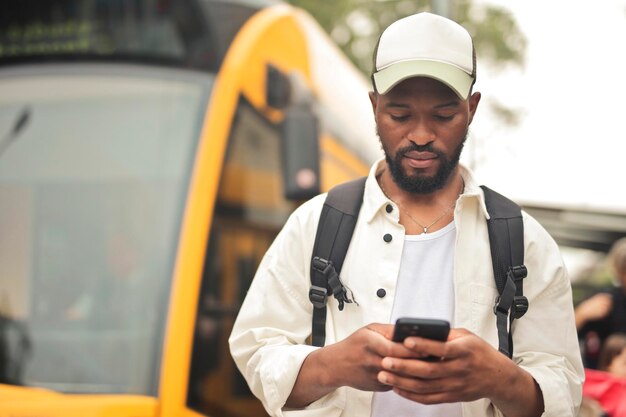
[277,88]
[300,153]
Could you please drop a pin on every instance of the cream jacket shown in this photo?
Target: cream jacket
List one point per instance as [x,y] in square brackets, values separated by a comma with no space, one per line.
[268,341]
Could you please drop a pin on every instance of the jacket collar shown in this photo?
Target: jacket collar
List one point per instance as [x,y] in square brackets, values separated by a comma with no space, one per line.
[375,200]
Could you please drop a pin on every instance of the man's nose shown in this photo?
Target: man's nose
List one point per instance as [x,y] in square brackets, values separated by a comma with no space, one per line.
[421,133]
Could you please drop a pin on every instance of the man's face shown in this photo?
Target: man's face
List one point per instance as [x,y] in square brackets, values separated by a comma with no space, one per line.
[422,127]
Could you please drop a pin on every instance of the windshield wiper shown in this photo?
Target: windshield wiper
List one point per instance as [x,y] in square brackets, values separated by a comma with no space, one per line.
[15,349]
[21,121]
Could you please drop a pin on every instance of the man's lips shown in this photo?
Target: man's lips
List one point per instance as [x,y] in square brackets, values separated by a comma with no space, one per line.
[420,159]
[420,155]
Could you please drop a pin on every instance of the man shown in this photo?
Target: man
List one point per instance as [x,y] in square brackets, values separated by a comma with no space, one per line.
[420,249]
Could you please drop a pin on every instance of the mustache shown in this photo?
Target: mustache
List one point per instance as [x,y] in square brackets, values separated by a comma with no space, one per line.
[419,148]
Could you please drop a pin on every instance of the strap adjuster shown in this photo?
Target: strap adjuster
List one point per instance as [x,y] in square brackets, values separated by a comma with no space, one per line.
[498,308]
[519,272]
[336,287]
[520,306]
[318,296]
[321,265]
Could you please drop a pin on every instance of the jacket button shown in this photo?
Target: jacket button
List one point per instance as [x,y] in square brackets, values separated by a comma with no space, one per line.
[381,292]
[387,238]
[389,208]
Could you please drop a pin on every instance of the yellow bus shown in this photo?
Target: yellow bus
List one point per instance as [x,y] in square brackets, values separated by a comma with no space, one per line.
[150,150]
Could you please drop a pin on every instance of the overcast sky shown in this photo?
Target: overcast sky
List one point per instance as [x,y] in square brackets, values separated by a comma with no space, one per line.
[571,144]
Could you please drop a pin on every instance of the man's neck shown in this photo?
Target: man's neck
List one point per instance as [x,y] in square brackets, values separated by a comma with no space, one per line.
[424,213]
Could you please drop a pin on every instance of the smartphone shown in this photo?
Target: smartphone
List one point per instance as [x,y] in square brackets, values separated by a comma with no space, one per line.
[428,328]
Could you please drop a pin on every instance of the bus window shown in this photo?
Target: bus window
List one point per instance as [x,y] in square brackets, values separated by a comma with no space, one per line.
[250,210]
[89,212]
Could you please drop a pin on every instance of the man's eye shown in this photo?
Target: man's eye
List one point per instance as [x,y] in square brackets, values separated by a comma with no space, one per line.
[444,118]
[399,118]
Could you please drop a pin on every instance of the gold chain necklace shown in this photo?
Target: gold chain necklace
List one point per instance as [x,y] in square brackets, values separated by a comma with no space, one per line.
[424,228]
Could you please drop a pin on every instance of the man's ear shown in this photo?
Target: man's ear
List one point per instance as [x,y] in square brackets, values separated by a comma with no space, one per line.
[374,100]
[473,104]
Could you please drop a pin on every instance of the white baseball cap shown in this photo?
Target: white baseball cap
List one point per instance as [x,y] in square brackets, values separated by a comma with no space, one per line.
[425,45]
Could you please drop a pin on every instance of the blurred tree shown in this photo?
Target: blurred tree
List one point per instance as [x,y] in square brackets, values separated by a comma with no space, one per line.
[355,25]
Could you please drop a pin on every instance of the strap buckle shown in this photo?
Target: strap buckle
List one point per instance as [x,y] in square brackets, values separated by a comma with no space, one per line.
[520,303]
[520,306]
[321,265]
[499,308]
[318,296]
[518,272]
[518,309]
[326,268]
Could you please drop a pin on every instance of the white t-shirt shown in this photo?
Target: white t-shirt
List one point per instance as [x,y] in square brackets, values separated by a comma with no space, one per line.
[425,289]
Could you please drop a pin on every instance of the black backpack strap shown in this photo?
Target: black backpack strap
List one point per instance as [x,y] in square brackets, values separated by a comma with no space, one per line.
[506,238]
[334,232]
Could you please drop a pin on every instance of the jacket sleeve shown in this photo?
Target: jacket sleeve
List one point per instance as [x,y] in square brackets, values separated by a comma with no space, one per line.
[545,339]
[268,341]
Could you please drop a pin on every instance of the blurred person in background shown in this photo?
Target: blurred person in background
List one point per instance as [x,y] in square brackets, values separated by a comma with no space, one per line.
[607,384]
[613,355]
[604,313]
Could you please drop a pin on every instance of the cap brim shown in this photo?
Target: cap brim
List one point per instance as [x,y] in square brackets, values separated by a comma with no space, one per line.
[455,78]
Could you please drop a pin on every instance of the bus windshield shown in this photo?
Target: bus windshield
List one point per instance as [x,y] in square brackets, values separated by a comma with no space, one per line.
[94,167]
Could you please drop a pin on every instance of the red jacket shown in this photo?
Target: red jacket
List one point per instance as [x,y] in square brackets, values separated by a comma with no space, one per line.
[609,390]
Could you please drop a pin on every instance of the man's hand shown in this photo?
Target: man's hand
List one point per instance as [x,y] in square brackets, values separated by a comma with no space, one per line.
[469,369]
[355,362]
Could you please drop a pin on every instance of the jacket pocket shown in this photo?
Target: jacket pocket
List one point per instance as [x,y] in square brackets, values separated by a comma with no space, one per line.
[483,294]
[483,319]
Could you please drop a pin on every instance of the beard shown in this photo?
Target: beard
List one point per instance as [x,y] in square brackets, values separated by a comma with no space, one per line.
[422,184]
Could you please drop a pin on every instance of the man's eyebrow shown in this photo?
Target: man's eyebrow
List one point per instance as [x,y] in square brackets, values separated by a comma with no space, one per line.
[395,105]
[391,104]
[454,103]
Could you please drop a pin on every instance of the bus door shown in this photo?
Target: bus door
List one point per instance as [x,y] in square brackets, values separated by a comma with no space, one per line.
[250,210]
